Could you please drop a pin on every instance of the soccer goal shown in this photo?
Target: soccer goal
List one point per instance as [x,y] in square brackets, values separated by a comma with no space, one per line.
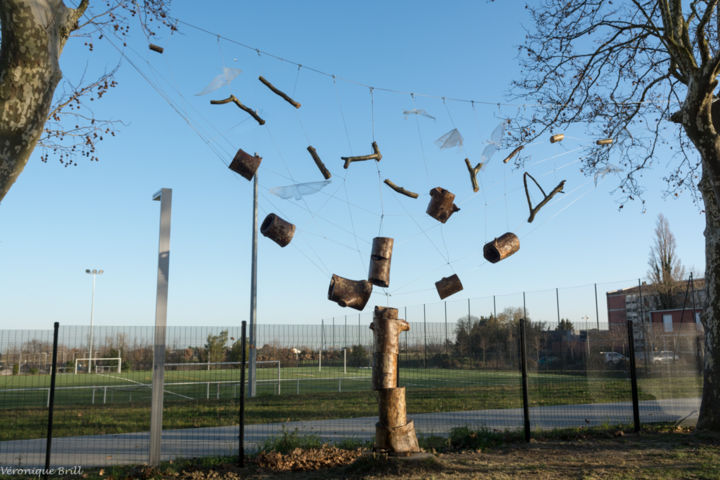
[202,372]
[100,364]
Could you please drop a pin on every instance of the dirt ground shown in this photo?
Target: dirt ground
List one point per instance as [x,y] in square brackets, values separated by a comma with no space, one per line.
[653,456]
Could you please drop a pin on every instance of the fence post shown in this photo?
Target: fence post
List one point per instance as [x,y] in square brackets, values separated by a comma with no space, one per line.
[51,406]
[424,338]
[597,314]
[446,327]
[241,432]
[345,361]
[633,378]
[523,362]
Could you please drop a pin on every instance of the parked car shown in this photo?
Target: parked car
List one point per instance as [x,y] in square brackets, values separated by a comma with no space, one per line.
[613,358]
[665,356]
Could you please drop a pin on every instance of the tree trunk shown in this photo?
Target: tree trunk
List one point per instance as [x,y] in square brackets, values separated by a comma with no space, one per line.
[34,33]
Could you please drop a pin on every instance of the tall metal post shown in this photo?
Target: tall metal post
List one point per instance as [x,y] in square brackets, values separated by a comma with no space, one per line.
[446,327]
[164,196]
[523,362]
[643,326]
[51,402]
[424,338]
[94,272]
[494,307]
[253,293]
[345,332]
[557,304]
[597,315]
[241,432]
[633,378]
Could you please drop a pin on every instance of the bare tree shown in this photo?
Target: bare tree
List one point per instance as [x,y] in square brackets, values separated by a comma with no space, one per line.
[34,33]
[666,270]
[641,73]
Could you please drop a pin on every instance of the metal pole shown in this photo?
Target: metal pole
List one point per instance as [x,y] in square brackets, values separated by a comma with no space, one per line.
[158,378]
[359,343]
[494,307]
[241,432]
[557,304]
[643,326]
[51,403]
[92,311]
[523,361]
[446,327]
[424,338]
[253,292]
[333,333]
[597,315]
[633,378]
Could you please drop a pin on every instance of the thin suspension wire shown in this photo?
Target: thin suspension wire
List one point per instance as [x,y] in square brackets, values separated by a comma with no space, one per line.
[420,140]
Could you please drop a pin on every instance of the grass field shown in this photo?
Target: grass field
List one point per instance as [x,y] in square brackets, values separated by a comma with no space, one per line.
[324,394]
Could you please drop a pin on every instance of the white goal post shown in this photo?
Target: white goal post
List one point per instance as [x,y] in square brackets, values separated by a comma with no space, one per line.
[206,366]
[97,359]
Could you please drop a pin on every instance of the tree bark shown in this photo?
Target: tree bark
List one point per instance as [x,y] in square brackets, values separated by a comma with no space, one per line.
[34,33]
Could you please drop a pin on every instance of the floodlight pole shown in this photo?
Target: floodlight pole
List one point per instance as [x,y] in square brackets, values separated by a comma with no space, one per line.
[94,272]
[158,378]
[253,295]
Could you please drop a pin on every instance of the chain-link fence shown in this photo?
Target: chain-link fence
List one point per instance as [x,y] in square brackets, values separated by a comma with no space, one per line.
[461,364]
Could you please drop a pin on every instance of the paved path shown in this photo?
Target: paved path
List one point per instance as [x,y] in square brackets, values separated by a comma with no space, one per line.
[132,448]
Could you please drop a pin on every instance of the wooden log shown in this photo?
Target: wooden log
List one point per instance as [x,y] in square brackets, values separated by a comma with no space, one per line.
[501,248]
[447,286]
[245,164]
[386,332]
[373,156]
[278,92]
[401,190]
[513,153]
[384,370]
[277,229]
[323,169]
[248,110]
[349,293]
[398,440]
[604,141]
[441,204]
[392,407]
[557,138]
[156,48]
[380,257]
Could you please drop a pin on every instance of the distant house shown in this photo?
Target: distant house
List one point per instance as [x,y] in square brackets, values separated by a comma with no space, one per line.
[674,326]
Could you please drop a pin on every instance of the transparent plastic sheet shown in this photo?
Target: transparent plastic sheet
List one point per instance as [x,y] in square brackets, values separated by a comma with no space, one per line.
[450,139]
[419,112]
[225,78]
[298,190]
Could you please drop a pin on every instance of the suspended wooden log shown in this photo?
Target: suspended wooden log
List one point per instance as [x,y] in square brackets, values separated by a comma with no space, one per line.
[392,407]
[386,329]
[278,92]
[473,173]
[156,48]
[397,440]
[245,164]
[373,156]
[501,248]
[604,141]
[249,111]
[401,190]
[380,257]
[513,153]
[546,199]
[441,204]
[277,229]
[557,138]
[349,293]
[384,370]
[321,166]
[447,286]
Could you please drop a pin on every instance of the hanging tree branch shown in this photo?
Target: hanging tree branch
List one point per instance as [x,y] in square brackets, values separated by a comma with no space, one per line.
[373,156]
[233,98]
[326,173]
[279,93]
[533,211]
[473,173]
[398,189]
[513,153]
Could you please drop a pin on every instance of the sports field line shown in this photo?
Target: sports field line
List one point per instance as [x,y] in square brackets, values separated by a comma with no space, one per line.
[144,385]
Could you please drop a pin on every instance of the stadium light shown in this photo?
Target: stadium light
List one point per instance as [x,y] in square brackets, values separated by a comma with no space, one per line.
[94,272]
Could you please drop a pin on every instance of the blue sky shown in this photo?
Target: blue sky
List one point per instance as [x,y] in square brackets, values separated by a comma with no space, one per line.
[57,221]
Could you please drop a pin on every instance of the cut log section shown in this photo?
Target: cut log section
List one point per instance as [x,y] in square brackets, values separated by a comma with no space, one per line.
[321,166]
[245,164]
[441,204]
[447,286]
[557,138]
[156,48]
[392,407]
[278,92]
[386,329]
[349,293]
[380,257]
[401,190]
[501,248]
[384,370]
[277,229]
[398,440]
[604,141]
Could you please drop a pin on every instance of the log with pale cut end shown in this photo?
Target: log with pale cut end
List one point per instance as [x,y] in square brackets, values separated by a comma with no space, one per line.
[384,370]
[380,257]
[501,247]
[604,141]
[557,138]
[277,229]
[386,329]
[349,293]
[156,48]
[321,166]
[392,407]
[245,164]
[447,286]
[398,440]
[441,204]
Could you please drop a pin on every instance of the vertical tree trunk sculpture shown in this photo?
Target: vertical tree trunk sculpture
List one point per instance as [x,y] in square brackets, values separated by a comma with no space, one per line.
[393,433]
